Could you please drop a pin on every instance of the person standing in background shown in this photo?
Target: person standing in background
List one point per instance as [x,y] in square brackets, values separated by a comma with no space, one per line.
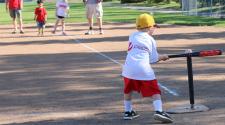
[14,8]
[94,8]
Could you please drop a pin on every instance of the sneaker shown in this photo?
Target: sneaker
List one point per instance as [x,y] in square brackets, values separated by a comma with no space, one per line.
[101,32]
[163,116]
[14,32]
[21,32]
[90,32]
[53,32]
[64,33]
[130,115]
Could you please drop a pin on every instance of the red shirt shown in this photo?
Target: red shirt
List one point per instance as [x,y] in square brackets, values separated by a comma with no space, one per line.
[40,13]
[14,4]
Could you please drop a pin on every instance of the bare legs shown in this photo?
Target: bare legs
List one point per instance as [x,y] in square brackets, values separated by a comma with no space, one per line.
[15,25]
[90,23]
[63,26]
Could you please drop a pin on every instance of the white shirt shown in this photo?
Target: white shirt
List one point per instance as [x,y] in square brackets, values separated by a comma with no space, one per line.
[141,52]
[62,8]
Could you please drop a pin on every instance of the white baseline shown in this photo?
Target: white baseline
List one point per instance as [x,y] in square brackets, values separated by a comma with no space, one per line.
[115,61]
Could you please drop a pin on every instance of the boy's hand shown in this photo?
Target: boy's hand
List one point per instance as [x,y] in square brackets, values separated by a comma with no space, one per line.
[188,51]
[163,57]
[7,9]
[98,1]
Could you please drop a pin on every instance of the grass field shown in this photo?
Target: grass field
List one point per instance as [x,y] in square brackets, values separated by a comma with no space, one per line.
[77,13]
[111,14]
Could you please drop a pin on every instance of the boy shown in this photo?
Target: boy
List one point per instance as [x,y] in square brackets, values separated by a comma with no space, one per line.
[14,7]
[62,9]
[94,8]
[137,72]
[40,17]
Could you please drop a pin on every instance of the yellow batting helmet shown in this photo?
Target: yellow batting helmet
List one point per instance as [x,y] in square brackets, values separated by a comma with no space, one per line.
[144,21]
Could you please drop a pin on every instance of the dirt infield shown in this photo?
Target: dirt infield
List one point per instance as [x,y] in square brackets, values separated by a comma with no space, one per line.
[75,79]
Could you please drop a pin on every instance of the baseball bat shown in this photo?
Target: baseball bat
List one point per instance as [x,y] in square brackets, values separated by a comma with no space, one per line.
[202,53]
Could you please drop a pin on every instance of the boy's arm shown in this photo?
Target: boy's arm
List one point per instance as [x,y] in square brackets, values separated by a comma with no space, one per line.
[35,16]
[21,4]
[46,16]
[56,9]
[163,57]
[6,5]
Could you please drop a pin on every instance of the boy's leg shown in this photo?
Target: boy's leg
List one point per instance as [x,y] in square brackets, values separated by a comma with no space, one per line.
[129,113]
[14,25]
[99,15]
[89,15]
[56,25]
[99,21]
[151,89]
[90,23]
[13,16]
[160,115]
[63,27]
[157,102]
[42,31]
[20,20]
[21,25]
[127,102]
[39,31]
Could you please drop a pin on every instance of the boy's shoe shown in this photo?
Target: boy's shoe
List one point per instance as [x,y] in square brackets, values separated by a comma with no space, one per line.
[21,32]
[64,33]
[14,32]
[130,115]
[101,32]
[53,32]
[162,116]
[89,32]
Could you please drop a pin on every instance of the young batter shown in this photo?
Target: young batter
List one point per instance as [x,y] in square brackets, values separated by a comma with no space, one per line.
[137,71]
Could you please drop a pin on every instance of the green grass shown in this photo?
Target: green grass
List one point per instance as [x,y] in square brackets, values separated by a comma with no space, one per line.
[180,19]
[163,5]
[111,14]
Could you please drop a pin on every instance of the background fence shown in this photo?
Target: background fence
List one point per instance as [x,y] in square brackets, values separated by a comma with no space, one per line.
[214,8]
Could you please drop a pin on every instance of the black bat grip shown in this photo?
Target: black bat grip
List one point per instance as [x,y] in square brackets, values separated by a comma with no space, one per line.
[177,56]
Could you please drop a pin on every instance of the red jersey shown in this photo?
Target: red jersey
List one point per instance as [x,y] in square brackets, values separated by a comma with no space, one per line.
[14,4]
[40,13]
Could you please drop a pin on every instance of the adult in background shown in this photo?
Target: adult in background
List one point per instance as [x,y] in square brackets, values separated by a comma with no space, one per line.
[94,8]
[14,8]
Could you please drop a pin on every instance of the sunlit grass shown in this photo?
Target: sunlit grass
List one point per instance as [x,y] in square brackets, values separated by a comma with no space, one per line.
[111,14]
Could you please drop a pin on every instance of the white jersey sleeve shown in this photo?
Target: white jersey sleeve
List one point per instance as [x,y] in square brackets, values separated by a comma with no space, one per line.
[154,56]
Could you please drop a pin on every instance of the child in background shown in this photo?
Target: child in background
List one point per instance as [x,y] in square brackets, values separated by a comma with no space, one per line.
[62,9]
[137,71]
[40,17]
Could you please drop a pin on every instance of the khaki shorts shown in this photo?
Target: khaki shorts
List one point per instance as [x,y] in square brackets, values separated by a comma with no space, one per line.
[15,13]
[94,10]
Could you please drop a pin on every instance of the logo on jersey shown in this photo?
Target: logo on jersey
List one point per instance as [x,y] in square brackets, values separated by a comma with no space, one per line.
[130,46]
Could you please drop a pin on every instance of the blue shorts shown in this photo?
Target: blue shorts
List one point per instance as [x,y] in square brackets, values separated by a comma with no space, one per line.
[41,24]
